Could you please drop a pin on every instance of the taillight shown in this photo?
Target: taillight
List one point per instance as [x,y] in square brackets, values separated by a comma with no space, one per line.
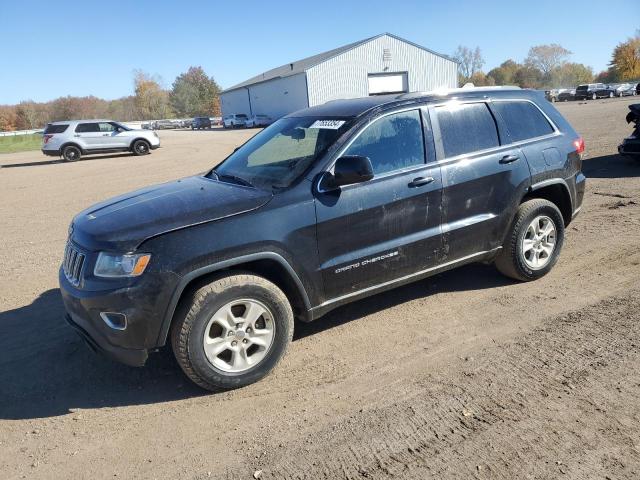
[579,145]
[46,138]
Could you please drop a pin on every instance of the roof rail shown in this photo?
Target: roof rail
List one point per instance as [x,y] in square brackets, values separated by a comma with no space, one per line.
[445,91]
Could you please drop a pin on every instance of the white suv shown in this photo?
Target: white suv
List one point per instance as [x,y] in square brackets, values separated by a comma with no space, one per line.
[75,138]
[234,121]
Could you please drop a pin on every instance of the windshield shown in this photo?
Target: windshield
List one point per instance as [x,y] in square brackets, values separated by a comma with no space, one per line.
[281,153]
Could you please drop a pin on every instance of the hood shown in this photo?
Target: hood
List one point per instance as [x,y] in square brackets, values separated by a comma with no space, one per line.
[123,222]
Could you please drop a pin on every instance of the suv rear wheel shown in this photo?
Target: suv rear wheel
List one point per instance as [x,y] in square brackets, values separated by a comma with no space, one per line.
[232,332]
[71,153]
[140,147]
[533,244]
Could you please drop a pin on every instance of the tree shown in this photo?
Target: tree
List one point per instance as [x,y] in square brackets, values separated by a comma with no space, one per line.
[7,118]
[528,76]
[570,74]
[480,79]
[625,61]
[469,62]
[150,99]
[505,74]
[547,57]
[194,93]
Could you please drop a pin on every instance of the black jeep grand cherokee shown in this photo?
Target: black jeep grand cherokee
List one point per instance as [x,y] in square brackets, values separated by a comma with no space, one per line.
[326,206]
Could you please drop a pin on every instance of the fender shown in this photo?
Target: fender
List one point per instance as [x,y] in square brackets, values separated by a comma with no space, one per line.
[550,181]
[199,272]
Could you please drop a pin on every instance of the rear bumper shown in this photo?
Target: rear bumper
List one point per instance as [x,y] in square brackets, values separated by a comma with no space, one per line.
[134,358]
[51,153]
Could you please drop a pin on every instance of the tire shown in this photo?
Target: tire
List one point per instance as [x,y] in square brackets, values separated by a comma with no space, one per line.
[71,153]
[140,147]
[223,366]
[512,260]
[611,94]
[594,96]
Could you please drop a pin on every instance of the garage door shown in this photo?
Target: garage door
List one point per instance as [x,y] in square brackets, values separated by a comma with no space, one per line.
[382,83]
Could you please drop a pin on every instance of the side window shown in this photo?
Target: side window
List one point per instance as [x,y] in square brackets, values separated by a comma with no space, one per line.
[87,127]
[524,120]
[106,127]
[392,142]
[466,128]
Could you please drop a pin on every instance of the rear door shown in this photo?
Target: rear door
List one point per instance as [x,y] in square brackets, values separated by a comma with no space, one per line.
[377,231]
[483,177]
[89,135]
[529,128]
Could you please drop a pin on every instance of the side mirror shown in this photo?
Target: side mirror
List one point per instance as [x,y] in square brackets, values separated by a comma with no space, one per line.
[348,170]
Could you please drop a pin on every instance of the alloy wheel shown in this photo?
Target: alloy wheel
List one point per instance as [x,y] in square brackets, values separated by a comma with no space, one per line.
[539,242]
[239,335]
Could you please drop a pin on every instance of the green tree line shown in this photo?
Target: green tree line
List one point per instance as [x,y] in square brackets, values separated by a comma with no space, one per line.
[193,93]
[548,66]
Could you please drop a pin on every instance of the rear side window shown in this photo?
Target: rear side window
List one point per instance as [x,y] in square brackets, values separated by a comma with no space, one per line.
[87,127]
[466,128]
[55,129]
[524,120]
[392,142]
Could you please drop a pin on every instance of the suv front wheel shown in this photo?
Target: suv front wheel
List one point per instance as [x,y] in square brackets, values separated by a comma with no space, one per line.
[533,244]
[140,147]
[232,332]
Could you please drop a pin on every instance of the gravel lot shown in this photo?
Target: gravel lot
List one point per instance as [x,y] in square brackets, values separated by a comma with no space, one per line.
[464,375]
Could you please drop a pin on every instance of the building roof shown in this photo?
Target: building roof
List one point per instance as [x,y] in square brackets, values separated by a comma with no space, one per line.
[305,64]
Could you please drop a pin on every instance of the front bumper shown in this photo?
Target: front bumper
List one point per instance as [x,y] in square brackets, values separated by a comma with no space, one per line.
[629,147]
[132,357]
[144,301]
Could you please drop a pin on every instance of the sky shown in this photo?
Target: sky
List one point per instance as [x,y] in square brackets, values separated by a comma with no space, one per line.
[52,49]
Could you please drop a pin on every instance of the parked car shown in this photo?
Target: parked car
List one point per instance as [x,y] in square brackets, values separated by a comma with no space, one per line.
[591,91]
[186,123]
[235,120]
[199,123]
[567,95]
[328,205]
[258,121]
[630,146]
[624,89]
[638,89]
[163,125]
[216,120]
[72,139]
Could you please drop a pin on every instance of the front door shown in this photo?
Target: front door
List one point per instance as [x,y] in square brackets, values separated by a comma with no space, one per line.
[377,231]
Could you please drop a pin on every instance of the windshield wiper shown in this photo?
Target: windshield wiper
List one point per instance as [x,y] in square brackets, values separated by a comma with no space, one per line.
[234,179]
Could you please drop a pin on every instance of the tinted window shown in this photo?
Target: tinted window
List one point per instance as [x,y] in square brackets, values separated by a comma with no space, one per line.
[466,128]
[392,142]
[55,129]
[583,87]
[87,127]
[524,120]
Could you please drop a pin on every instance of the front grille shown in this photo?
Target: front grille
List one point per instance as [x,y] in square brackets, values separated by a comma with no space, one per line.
[72,264]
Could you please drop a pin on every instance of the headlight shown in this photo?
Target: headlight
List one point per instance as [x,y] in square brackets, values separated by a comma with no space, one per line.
[131,265]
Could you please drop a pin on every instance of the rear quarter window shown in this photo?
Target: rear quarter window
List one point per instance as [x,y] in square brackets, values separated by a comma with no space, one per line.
[523,119]
[50,129]
[466,128]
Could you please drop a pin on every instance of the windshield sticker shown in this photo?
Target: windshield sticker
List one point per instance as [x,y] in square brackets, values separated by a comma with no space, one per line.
[330,124]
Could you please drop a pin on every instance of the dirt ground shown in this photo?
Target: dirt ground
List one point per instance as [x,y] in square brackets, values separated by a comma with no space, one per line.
[464,375]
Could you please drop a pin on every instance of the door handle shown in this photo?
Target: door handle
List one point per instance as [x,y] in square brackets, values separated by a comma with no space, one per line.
[106,134]
[76,135]
[420,181]
[509,158]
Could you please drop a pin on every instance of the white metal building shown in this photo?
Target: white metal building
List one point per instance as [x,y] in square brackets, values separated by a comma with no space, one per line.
[377,65]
